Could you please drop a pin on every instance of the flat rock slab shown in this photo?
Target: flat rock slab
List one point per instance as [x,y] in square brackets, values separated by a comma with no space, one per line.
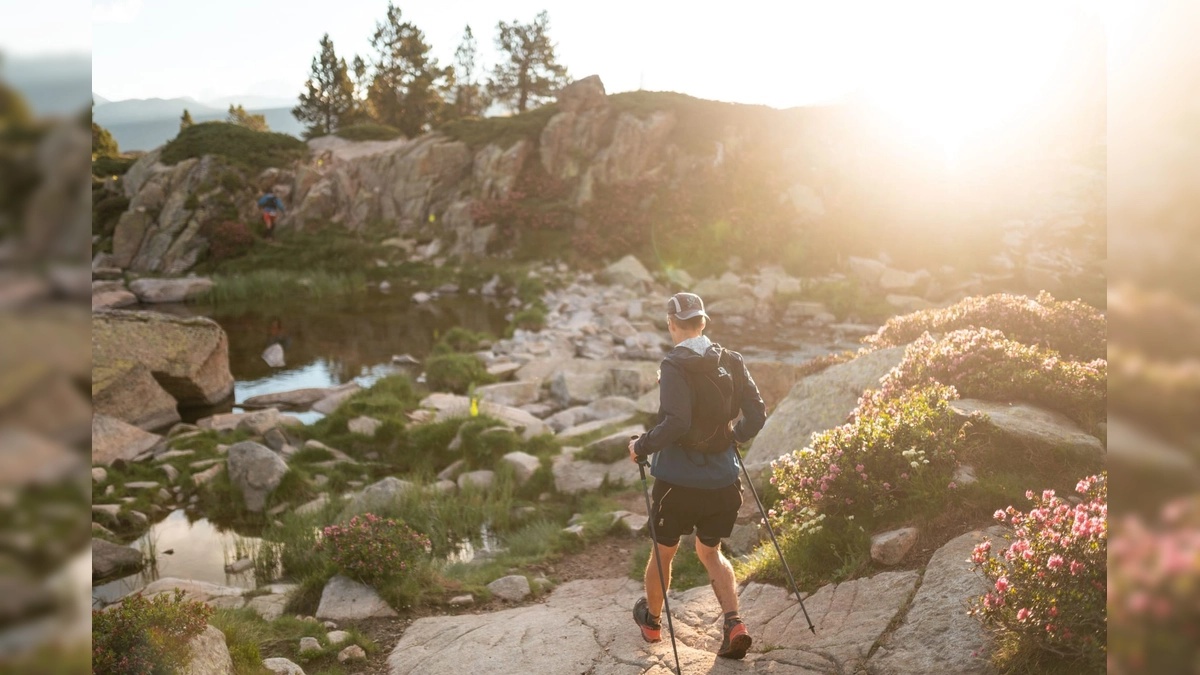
[1033,426]
[819,402]
[224,597]
[113,439]
[586,627]
[297,399]
[937,635]
[347,600]
[109,558]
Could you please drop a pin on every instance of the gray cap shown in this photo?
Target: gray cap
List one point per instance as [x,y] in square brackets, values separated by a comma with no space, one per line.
[685,306]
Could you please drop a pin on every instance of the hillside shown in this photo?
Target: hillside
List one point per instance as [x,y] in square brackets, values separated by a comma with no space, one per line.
[150,132]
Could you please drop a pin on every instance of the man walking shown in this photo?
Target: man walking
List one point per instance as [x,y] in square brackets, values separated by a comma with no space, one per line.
[702,389]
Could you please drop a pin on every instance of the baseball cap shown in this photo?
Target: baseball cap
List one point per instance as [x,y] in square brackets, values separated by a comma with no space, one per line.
[685,306]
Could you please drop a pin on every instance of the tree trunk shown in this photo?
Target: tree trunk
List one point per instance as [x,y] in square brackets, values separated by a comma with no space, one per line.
[522,90]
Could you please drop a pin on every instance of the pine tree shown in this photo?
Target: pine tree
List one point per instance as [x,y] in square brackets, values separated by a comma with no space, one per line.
[362,85]
[328,102]
[185,120]
[103,144]
[470,98]
[531,74]
[238,115]
[407,88]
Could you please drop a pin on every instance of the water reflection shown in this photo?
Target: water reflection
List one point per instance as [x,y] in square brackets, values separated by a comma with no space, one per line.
[467,551]
[201,551]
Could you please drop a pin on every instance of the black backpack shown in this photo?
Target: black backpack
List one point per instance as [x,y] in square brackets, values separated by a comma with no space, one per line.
[715,398]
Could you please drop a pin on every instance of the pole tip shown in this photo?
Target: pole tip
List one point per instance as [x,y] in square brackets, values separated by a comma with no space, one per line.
[813,629]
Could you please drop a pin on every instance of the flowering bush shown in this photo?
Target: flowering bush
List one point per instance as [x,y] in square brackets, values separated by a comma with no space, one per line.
[534,202]
[141,637]
[1048,587]
[228,240]
[983,363]
[1074,329]
[895,449]
[370,548]
[1154,592]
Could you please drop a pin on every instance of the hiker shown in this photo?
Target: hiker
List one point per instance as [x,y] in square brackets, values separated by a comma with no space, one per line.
[271,208]
[702,389]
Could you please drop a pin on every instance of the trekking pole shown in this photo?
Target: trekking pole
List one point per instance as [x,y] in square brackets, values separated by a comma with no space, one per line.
[773,539]
[662,580]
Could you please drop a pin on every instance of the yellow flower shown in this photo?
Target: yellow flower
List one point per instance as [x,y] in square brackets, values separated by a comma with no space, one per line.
[474,407]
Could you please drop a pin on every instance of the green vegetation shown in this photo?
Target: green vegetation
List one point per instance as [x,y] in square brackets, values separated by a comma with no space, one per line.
[503,131]
[251,639]
[271,284]
[107,208]
[456,373]
[686,569]
[368,132]
[241,146]
[146,637]
[106,166]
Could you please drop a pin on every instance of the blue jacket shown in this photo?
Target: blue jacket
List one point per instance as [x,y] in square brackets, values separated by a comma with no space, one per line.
[270,201]
[672,463]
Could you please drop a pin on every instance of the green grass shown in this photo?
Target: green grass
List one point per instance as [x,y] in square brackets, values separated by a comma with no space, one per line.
[503,131]
[271,284]
[368,132]
[251,639]
[456,373]
[251,150]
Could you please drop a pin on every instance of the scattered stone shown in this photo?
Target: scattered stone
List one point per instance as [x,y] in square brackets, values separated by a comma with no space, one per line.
[113,299]
[479,479]
[99,475]
[169,290]
[205,476]
[352,653]
[173,454]
[273,355]
[347,600]
[282,666]
[277,441]
[405,360]
[512,394]
[513,588]
[615,445]
[889,548]
[259,422]
[330,403]
[309,644]
[209,654]
[109,559]
[172,472]
[336,637]
[256,471]
[462,600]
[239,566]
[421,297]
[366,426]
[578,389]
[964,475]
[313,506]
[269,607]
[142,484]
[629,272]
[524,464]
[298,399]
[445,486]
[376,495]
[503,371]
[114,440]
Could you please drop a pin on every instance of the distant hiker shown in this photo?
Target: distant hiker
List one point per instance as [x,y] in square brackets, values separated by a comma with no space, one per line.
[702,389]
[271,208]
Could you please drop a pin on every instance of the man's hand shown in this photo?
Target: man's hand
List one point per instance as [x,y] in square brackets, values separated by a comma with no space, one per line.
[633,453]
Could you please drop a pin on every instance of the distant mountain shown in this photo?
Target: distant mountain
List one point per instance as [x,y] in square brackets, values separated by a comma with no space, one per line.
[97,99]
[52,85]
[148,109]
[147,134]
[253,102]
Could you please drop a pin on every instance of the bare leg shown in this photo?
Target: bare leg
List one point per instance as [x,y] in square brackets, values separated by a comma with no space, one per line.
[654,593]
[720,573]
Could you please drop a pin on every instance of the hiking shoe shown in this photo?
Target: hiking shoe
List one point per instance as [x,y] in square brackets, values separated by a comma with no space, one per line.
[737,640]
[651,629]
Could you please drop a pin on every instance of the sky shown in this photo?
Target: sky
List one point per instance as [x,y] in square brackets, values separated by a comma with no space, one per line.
[779,54]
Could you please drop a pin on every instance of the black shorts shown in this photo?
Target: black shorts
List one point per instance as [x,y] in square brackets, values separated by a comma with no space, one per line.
[679,510]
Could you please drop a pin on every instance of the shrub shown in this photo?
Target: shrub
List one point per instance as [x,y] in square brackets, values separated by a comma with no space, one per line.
[455,373]
[146,637]
[228,240]
[1049,586]
[1074,329]
[459,339]
[249,149]
[368,132]
[533,319]
[370,548]
[896,451]
[482,450]
[1153,592]
[982,363]
[105,167]
[107,211]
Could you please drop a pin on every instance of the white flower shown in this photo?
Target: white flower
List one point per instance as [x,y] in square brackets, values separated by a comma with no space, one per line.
[849,517]
[926,461]
[913,464]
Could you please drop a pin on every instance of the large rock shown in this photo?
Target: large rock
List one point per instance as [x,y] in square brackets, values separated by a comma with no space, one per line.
[937,635]
[451,405]
[113,299]
[578,389]
[513,588]
[113,439]
[377,495]
[347,600]
[1033,427]
[584,94]
[819,402]
[109,559]
[188,357]
[523,463]
[511,394]
[169,290]
[255,470]
[584,627]
[297,399]
[616,444]
[889,548]
[211,594]
[628,271]
[573,475]
[210,654]
[130,393]
[867,270]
